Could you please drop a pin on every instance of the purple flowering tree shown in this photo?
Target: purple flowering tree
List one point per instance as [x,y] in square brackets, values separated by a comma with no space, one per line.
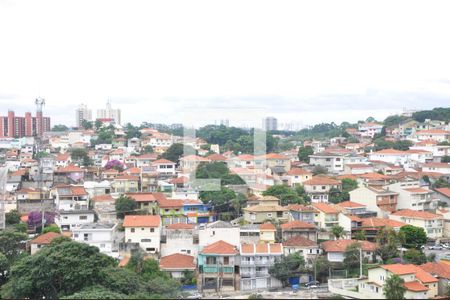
[115,164]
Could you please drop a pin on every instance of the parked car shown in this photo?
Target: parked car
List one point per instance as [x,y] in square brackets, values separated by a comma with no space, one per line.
[312,286]
[311,283]
[435,247]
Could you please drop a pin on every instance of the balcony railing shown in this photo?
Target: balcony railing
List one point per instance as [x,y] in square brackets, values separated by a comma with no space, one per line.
[217,269]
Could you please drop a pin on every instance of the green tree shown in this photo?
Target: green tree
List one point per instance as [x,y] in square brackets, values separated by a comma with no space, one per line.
[317,170]
[4,268]
[61,269]
[189,278]
[360,235]
[394,120]
[393,288]
[147,149]
[12,244]
[51,228]
[87,124]
[175,151]
[304,153]
[388,241]
[286,194]
[60,128]
[219,200]
[337,231]
[96,292]
[352,255]
[414,237]
[415,256]
[445,159]
[125,206]
[218,170]
[440,183]
[12,217]
[289,266]
[337,196]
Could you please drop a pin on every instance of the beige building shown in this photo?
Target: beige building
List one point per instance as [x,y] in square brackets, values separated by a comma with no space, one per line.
[433,224]
[379,200]
[260,213]
[418,283]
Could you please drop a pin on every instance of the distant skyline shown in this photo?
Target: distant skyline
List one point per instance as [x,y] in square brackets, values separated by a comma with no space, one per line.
[199,61]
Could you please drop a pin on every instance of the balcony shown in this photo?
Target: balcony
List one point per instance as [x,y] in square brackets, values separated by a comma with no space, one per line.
[263,262]
[218,269]
[247,263]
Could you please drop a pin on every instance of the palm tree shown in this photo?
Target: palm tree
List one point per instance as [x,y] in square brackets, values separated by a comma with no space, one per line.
[337,231]
[393,288]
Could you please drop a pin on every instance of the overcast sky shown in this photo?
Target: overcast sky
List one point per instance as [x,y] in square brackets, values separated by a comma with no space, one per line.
[200,61]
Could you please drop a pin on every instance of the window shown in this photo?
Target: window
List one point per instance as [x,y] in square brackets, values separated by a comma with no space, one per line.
[102,245]
[142,229]
[226,260]
[146,240]
[152,229]
[75,235]
[269,215]
[132,229]
[83,217]
[323,187]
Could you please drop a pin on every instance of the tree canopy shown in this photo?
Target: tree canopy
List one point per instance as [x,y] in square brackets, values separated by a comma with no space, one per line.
[414,237]
[289,266]
[125,206]
[218,170]
[175,151]
[393,287]
[286,194]
[304,153]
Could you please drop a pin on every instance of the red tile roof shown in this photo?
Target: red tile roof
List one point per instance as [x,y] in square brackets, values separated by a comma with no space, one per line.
[69,169]
[170,203]
[350,204]
[436,165]
[141,221]
[322,180]
[162,161]
[179,180]
[267,226]
[146,197]
[415,286]
[180,226]
[216,157]
[62,156]
[390,152]
[300,207]
[220,248]
[275,248]
[326,208]
[341,245]
[379,222]
[433,131]
[297,225]
[298,171]
[194,158]
[177,261]
[437,268]
[444,191]
[101,198]
[46,238]
[416,214]
[299,241]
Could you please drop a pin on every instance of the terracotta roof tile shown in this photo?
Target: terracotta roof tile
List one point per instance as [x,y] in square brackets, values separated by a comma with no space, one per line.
[350,204]
[341,245]
[298,171]
[326,208]
[297,225]
[162,161]
[267,226]
[416,214]
[180,226]
[177,261]
[437,268]
[415,286]
[146,197]
[141,221]
[444,191]
[103,198]
[299,241]
[220,248]
[46,238]
[322,180]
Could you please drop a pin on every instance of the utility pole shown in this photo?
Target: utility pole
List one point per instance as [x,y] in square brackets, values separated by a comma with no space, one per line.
[360,263]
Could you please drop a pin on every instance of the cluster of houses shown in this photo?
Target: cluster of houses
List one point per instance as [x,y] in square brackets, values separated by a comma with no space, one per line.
[171,224]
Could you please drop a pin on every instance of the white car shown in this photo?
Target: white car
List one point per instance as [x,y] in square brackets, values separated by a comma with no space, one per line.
[435,247]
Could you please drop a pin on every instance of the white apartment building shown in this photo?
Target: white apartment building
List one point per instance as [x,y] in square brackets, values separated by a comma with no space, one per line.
[218,231]
[82,113]
[256,260]
[100,235]
[180,238]
[412,196]
[109,113]
[143,230]
[433,224]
